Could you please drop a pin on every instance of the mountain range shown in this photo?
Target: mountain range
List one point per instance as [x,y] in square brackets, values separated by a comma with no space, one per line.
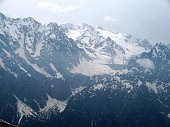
[77,75]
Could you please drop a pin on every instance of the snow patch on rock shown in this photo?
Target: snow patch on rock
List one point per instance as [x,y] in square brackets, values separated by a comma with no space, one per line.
[77,90]
[73,34]
[98,86]
[24,110]
[152,86]
[2,64]
[91,68]
[145,63]
[53,104]
[38,47]
[58,74]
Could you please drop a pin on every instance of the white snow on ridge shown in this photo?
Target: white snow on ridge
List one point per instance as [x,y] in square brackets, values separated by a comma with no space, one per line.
[73,34]
[2,64]
[101,59]
[139,83]
[98,86]
[77,90]
[21,53]
[119,38]
[24,110]
[12,29]
[13,73]
[26,42]
[23,69]
[91,68]
[58,74]
[7,53]
[106,34]
[40,70]
[53,104]
[38,47]
[7,69]
[99,65]
[145,63]
[152,87]
[127,85]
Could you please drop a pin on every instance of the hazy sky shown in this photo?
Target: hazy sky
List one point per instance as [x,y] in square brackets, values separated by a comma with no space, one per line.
[148,19]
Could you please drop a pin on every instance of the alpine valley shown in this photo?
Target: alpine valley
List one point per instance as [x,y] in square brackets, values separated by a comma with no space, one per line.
[81,76]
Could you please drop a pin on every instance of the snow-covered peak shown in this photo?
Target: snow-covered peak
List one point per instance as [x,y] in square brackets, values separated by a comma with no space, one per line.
[82,26]
[130,44]
[87,27]
[124,39]
[36,44]
[104,45]
[74,34]
[75,31]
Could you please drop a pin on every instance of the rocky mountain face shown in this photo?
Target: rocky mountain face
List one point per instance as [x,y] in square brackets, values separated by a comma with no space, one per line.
[139,98]
[34,62]
[51,75]
[105,48]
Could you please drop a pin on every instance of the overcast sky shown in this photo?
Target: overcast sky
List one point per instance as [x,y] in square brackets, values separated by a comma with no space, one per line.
[148,19]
